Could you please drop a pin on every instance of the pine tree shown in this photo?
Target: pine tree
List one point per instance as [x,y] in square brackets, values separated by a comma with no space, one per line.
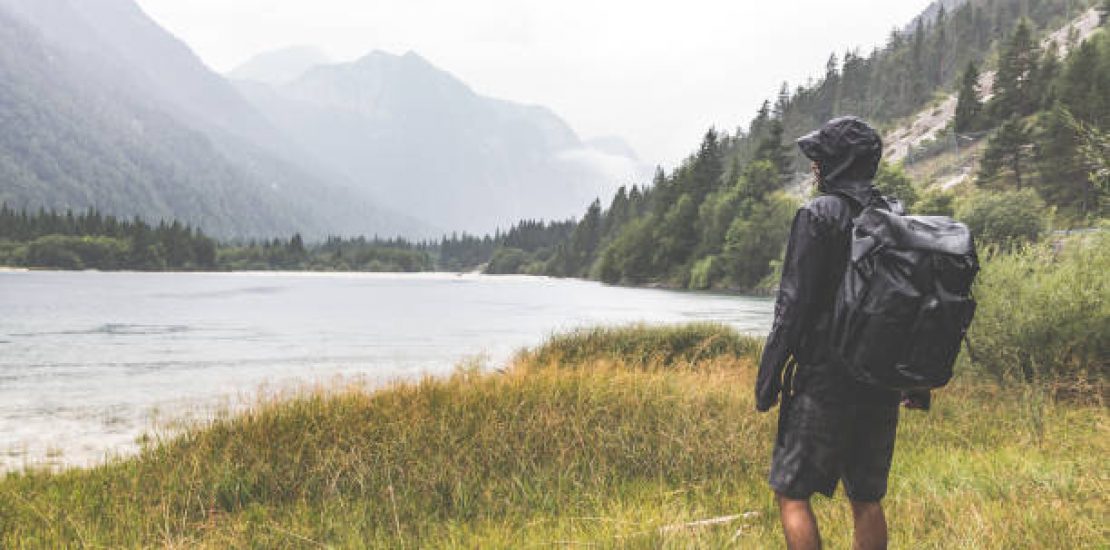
[1014,86]
[940,47]
[968,105]
[782,104]
[708,167]
[771,149]
[1063,178]
[1007,150]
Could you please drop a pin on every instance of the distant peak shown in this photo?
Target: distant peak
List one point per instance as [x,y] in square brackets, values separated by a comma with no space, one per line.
[382,55]
[281,65]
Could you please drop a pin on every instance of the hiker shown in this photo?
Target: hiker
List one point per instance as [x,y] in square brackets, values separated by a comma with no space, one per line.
[831,426]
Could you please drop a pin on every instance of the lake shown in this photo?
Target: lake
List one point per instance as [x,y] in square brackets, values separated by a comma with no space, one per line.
[89,360]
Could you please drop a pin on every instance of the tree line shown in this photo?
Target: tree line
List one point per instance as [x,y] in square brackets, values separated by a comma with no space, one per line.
[91,240]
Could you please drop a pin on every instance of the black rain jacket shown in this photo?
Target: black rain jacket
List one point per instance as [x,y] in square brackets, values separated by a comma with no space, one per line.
[847,152]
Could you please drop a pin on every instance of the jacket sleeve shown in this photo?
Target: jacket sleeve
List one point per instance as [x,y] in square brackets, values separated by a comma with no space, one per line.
[802,268]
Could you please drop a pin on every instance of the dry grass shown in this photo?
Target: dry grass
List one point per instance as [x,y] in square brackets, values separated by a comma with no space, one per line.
[616,452]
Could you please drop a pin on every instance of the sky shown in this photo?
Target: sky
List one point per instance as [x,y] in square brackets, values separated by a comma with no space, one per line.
[657,74]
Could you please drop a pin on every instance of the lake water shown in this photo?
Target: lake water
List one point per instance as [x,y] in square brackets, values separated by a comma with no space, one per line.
[89,361]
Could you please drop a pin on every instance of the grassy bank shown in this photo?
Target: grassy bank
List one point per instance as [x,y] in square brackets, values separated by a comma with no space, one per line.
[613,452]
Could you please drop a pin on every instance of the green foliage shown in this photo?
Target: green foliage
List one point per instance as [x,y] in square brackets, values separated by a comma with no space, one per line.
[1064,176]
[1005,218]
[891,180]
[629,258]
[969,106]
[65,252]
[507,261]
[94,241]
[704,272]
[573,258]
[1044,313]
[755,241]
[1007,158]
[935,202]
[1016,90]
[335,254]
[675,234]
[1094,150]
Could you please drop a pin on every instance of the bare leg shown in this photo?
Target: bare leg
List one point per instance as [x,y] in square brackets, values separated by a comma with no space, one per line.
[799,525]
[870,526]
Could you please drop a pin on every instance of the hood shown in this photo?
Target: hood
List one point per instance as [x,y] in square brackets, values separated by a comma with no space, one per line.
[847,151]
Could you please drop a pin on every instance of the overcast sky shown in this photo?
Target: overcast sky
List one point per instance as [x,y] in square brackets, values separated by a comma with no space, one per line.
[654,73]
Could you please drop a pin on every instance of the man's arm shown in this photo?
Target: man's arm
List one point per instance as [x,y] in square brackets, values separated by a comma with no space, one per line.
[805,261]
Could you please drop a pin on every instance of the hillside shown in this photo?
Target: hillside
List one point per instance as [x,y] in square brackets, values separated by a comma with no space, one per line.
[928,124]
[421,141]
[720,219]
[109,111]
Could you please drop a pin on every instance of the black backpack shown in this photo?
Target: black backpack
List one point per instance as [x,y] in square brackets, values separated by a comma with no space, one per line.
[905,303]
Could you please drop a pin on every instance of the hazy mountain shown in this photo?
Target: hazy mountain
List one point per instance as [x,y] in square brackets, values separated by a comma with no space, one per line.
[104,108]
[425,143]
[279,66]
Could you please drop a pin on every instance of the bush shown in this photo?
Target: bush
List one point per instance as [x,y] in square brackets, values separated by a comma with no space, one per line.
[754,242]
[506,261]
[891,180]
[705,272]
[1003,218]
[935,203]
[68,252]
[1044,313]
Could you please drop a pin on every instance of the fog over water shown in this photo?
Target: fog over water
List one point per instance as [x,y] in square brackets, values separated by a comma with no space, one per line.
[89,361]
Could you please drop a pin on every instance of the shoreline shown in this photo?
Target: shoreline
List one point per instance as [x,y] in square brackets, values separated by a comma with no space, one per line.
[428,274]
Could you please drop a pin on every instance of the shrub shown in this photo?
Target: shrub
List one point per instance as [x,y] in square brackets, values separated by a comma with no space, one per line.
[705,272]
[1003,218]
[1044,313]
[935,203]
[68,252]
[891,180]
[506,261]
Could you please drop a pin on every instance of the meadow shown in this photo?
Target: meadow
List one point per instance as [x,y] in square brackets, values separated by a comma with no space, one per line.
[610,437]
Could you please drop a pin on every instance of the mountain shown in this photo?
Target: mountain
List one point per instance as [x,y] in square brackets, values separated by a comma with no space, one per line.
[103,108]
[279,66]
[421,141]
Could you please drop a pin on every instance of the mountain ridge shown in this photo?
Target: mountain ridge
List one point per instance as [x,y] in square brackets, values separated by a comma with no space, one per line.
[421,139]
[111,50]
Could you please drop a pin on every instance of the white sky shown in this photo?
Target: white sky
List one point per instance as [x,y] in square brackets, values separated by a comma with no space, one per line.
[657,74]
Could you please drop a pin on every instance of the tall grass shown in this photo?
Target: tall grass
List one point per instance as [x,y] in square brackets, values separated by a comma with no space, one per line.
[644,346]
[607,453]
[1044,315]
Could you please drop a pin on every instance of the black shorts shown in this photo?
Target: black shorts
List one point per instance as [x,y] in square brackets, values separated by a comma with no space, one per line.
[832,428]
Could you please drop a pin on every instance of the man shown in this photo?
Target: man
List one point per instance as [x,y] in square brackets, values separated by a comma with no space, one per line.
[831,427]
